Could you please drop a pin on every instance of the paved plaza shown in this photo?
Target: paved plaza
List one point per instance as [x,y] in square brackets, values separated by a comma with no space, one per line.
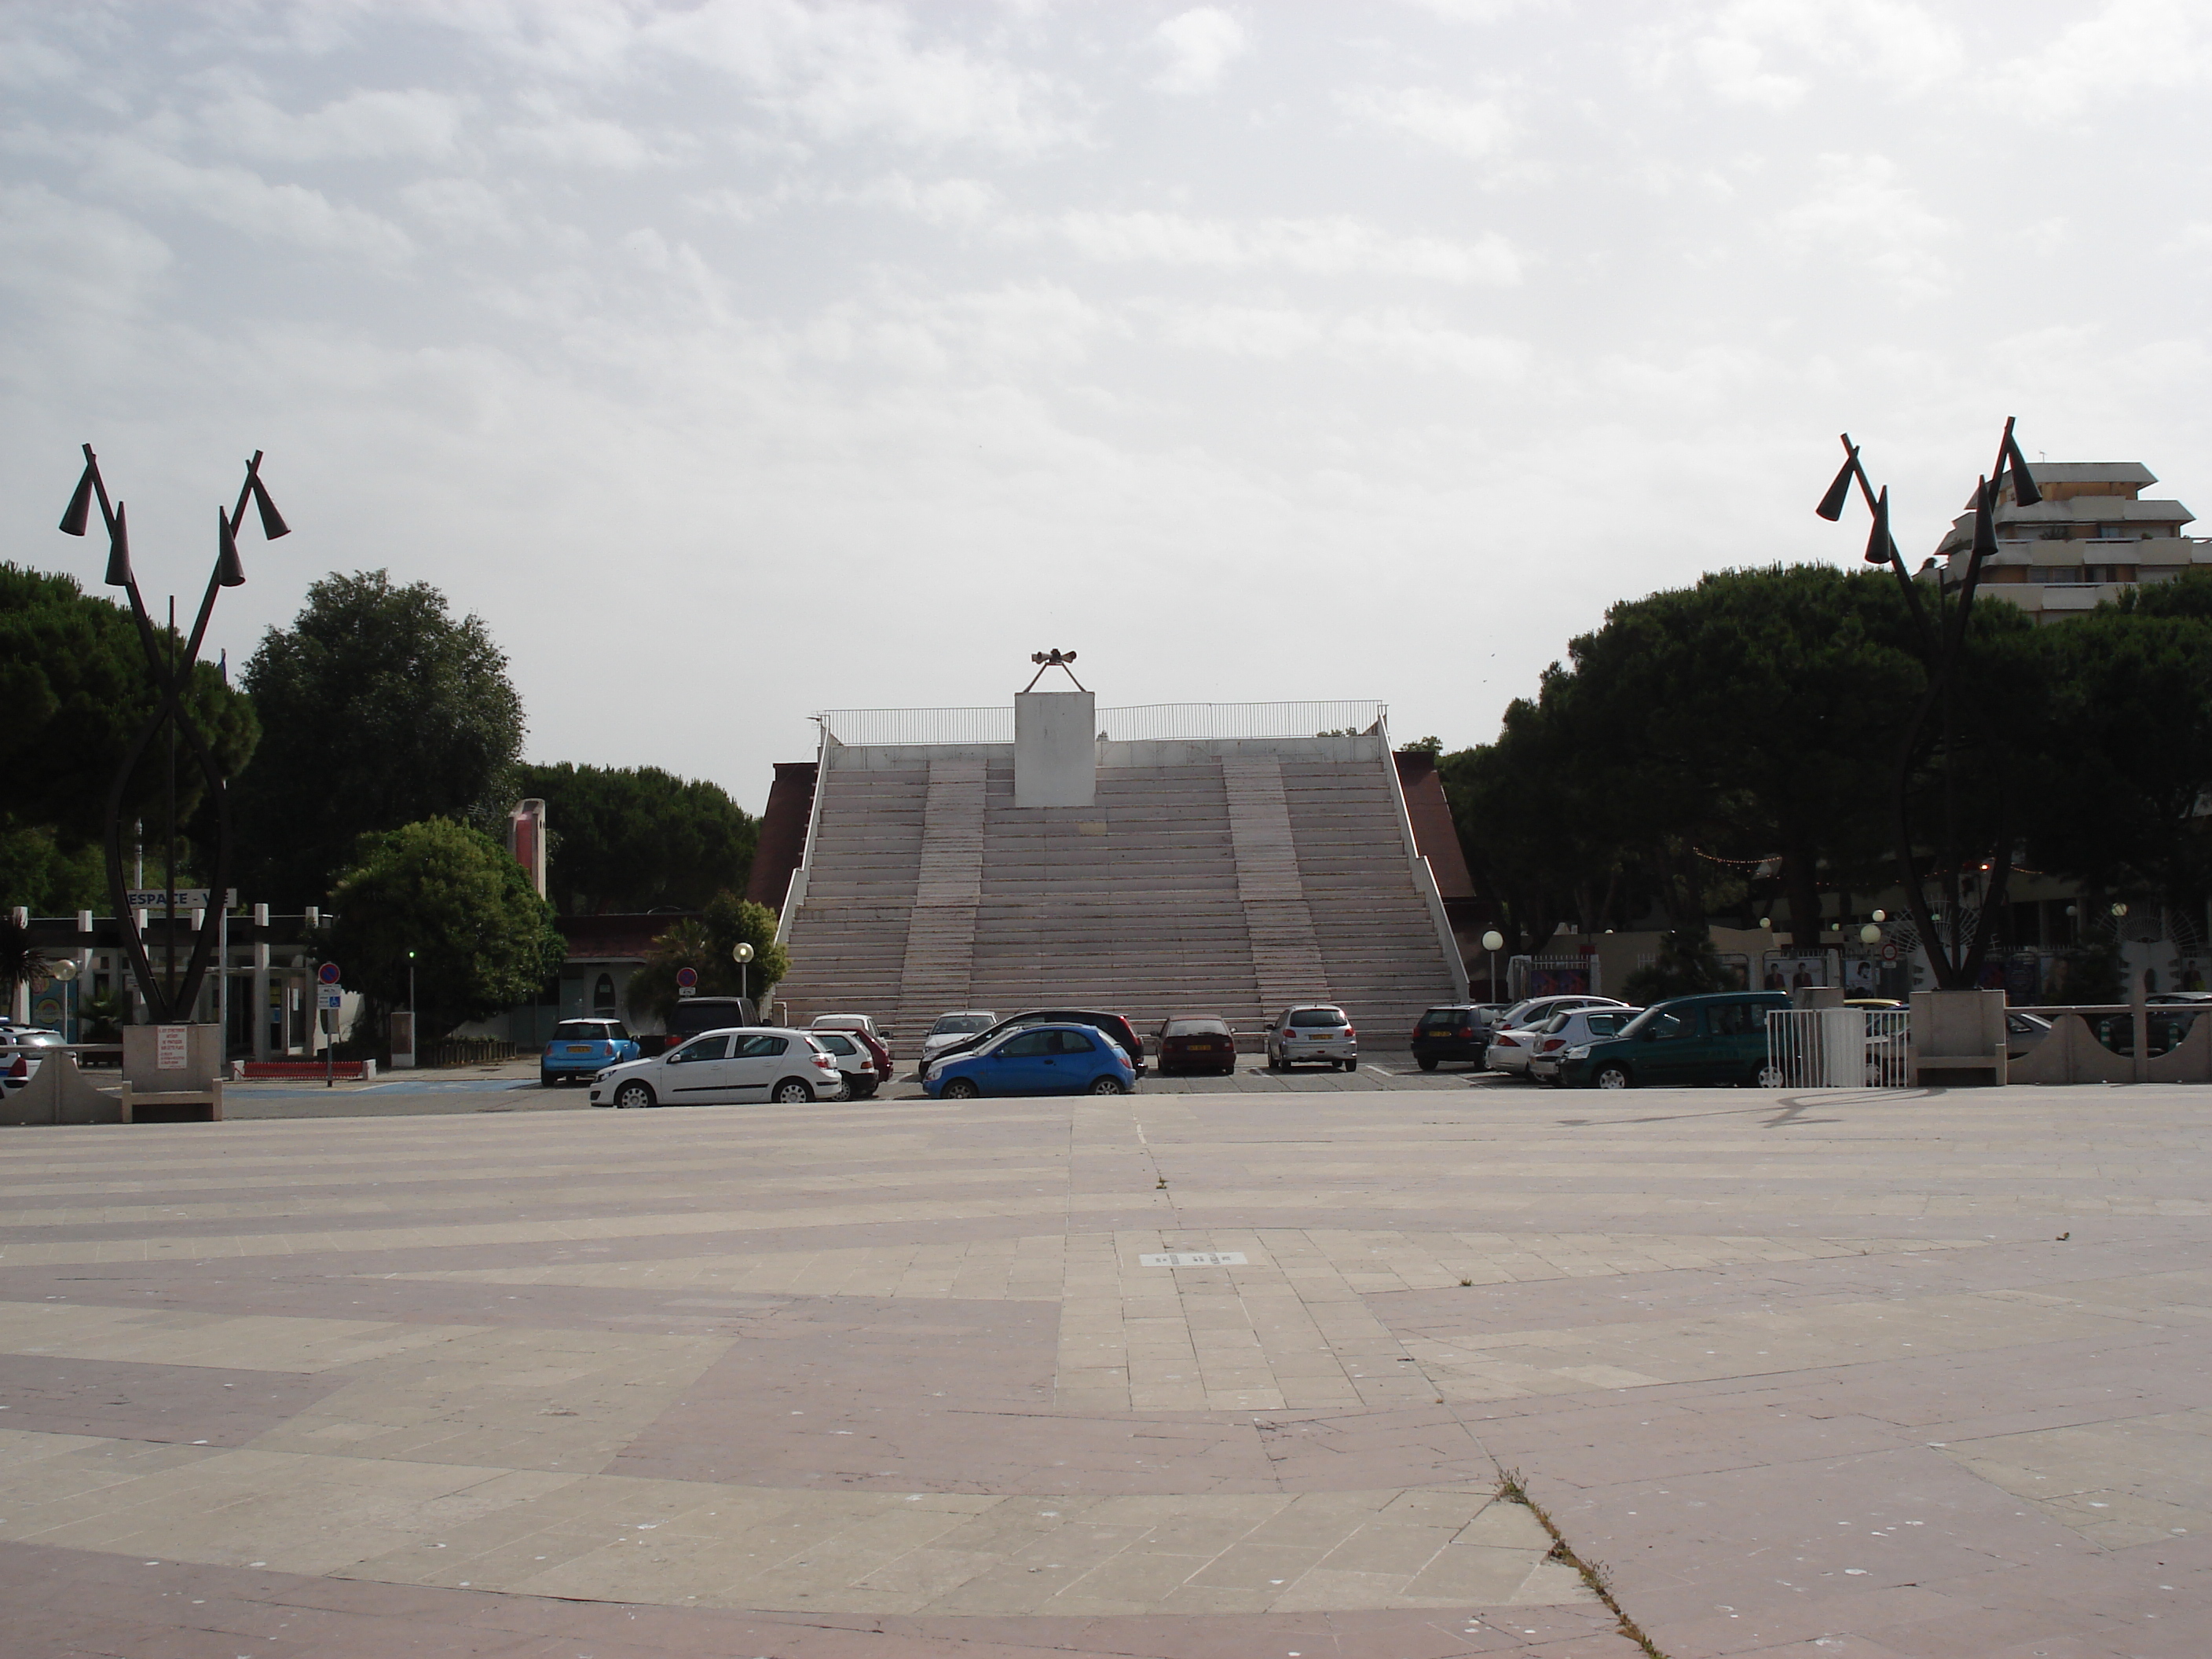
[1197,1372]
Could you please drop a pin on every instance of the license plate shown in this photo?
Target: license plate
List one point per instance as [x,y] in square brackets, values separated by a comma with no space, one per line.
[574,1050]
[1198,1047]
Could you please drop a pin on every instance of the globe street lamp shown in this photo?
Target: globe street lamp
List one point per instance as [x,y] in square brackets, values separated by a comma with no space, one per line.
[1493,941]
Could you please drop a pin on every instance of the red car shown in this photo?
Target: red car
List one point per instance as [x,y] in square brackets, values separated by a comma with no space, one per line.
[1196,1042]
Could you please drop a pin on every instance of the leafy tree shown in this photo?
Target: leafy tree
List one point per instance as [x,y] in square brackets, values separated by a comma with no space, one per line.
[1687,965]
[1756,713]
[631,838]
[75,685]
[705,945]
[1423,746]
[377,709]
[484,939]
[2128,722]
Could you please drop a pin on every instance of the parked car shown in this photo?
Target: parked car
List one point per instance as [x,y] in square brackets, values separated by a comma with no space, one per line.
[721,1067]
[1568,1029]
[2167,1027]
[952,1030]
[1196,1042]
[1123,1034]
[582,1048]
[1313,1030]
[1527,1015]
[1453,1031]
[847,1022]
[17,1069]
[2023,1031]
[1057,1059]
[693,1015]
[862,1030]
[856,1064]
[1716,1038]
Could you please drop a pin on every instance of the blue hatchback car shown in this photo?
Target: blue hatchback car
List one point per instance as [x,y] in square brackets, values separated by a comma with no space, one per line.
[1034,1059]
[582,1048]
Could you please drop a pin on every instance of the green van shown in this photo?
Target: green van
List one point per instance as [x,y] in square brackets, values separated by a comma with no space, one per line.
[1683,1043]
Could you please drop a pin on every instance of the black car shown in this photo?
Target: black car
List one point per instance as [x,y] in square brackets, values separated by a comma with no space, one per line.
[1452,1030]
[696,1014]
[1122,1033]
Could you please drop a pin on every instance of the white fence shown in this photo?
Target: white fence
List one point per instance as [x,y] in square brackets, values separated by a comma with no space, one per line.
[1190,721]
[1839,1049]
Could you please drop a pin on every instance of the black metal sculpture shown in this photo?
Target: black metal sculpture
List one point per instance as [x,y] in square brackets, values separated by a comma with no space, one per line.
[1942,637]
[170,997]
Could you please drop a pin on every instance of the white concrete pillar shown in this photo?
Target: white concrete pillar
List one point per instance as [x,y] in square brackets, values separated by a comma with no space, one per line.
[1055,749]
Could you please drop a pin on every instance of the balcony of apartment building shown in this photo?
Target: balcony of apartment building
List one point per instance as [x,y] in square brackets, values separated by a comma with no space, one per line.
[2091,537]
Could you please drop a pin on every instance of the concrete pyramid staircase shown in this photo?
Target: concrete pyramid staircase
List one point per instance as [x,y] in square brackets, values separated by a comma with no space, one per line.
[1234,877]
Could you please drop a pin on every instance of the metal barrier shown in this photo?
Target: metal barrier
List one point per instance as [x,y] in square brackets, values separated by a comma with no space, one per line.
[1152,722]
[1839,1049]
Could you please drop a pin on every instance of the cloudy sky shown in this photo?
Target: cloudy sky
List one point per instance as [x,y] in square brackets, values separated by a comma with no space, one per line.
[737,359]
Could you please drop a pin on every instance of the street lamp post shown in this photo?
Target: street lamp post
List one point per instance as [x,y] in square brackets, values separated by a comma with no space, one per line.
[1942,640]
[1493,941]
[170,998]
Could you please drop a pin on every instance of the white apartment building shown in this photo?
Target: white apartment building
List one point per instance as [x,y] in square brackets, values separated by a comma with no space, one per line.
[2090,535]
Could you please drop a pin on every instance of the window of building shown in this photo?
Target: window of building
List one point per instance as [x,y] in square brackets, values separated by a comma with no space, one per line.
[603,996]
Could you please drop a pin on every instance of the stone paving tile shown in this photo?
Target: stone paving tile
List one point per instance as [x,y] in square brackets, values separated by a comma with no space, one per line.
[840,1361]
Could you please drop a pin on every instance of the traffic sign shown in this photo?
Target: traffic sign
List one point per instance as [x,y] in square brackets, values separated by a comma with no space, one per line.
[330,996]
[1889,953]
[328,973]
[687,978]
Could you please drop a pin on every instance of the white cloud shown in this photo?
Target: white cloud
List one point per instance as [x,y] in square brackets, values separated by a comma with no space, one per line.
[1199,45]
[1864,213]
[2129,48]
[845,72]
[963,203]
[1479,129]
[244,201]
[1331,246]
[417,123]
[1385,341]
[59,257]
[1773,53]
[567,139]
[462,209]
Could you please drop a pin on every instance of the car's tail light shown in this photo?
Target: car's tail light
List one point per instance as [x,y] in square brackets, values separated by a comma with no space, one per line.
[21,1067]
[1467,1031]
[1550,1043]
[1507,1043]
[1349,1034]
[1287,1036]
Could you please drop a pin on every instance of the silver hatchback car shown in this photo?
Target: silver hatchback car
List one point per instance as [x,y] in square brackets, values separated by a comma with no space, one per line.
[1313,1031]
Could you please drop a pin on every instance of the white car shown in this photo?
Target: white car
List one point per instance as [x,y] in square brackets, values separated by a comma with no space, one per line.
[726,1068]
[849,1022]
[854,1061]
[953,1028]
[18,1067]
[1567,1029]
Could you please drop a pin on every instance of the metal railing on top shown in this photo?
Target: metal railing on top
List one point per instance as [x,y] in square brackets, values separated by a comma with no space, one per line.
[1143,723]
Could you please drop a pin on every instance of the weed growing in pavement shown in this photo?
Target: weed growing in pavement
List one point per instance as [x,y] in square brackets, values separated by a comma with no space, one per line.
[1593,1573]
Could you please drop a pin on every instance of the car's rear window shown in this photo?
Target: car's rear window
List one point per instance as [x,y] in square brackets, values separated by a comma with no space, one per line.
[590,1031]
[835,1042]
[1445,1019]
[1318,1016]
[1604,1024]
[960,1025]
[1198,1028]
